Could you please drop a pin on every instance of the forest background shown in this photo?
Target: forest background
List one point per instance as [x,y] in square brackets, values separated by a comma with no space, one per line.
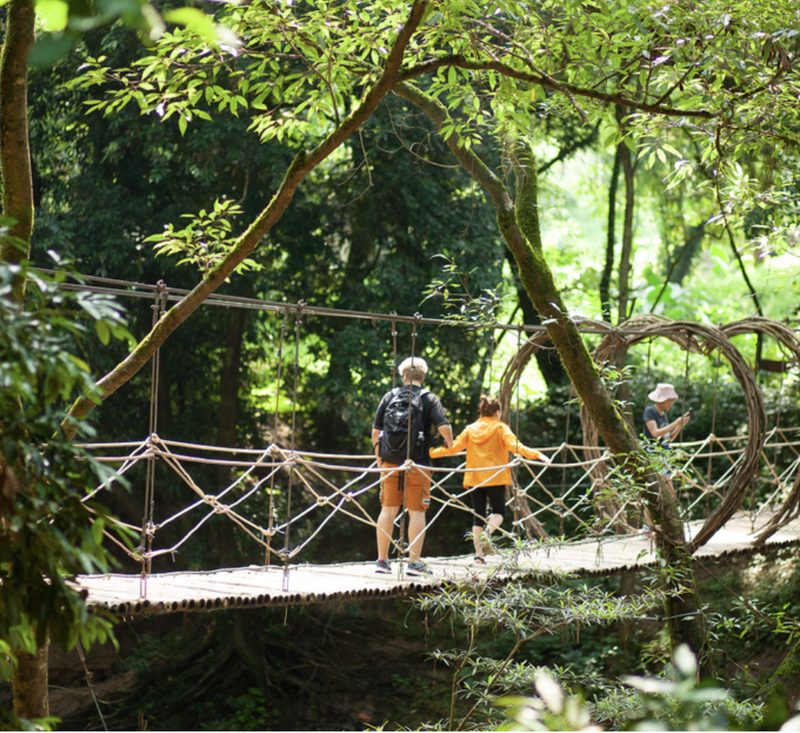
[388,222]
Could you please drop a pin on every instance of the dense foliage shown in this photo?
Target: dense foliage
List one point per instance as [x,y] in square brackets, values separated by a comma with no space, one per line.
[51,528]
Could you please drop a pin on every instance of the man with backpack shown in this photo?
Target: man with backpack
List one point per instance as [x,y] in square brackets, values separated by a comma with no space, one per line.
[401,430]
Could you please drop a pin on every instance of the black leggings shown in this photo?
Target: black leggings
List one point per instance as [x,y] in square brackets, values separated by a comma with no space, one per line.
[497,497]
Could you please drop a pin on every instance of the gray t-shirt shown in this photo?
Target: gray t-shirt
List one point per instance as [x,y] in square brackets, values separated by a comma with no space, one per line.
[661,420]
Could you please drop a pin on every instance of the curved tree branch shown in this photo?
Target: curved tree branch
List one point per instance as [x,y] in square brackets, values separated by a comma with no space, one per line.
[303,163]
[548,82]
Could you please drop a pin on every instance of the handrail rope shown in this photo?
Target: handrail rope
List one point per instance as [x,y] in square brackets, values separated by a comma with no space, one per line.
[235,301]
[173,460]
[127,463]
[119,444]
[361,457]
[453,500]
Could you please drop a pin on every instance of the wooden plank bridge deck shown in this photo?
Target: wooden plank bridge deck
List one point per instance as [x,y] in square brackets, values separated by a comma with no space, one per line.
[260,586]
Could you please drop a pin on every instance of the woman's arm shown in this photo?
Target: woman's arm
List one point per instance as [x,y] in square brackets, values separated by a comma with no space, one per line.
[456,446]
[671,429]
[514,446]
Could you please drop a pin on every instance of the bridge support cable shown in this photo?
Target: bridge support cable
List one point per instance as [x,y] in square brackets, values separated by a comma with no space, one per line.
[146,537]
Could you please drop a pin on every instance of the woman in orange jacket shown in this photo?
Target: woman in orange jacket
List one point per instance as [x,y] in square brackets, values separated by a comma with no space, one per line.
[488,441]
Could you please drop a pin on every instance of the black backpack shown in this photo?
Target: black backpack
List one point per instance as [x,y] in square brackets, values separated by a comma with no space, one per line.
[393,442]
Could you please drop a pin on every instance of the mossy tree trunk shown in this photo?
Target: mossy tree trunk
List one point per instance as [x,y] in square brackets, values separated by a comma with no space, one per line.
[15,154]
[518,221]
[626,251]
[30,684]
[604,286]
[786,679]
[30,676]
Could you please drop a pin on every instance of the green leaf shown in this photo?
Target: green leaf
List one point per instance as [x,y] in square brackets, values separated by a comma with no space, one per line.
[103,332]
[55,14]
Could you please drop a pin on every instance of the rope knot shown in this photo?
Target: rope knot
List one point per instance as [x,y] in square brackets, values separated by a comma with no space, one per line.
[215,504]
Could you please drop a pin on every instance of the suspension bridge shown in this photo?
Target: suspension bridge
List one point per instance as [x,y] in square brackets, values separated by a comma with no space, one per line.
[737,494]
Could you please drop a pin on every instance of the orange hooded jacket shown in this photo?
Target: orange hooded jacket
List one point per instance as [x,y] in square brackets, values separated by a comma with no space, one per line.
[488,441]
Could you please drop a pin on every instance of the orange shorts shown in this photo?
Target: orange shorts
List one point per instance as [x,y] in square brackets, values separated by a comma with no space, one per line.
[417,488]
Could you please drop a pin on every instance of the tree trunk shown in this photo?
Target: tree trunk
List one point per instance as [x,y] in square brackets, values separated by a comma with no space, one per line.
[550,366]
[786,679]
[15,154]
[605,279]
[682,259]
[629,170]
[29,679]
[30,684]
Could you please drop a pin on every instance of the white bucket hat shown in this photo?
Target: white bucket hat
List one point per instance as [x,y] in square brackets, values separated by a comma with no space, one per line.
[662,393]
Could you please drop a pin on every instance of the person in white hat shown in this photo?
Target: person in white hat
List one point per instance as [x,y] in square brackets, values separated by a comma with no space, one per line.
[657,426]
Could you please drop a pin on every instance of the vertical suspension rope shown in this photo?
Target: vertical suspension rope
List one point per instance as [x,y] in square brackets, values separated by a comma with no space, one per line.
[492,347]
[519,376]
[713,432]
[394,352]
[563,487]
[683,410]
[271,525]
[404,540]
[517,489]
[286,553]
[647,374]
[146,536]
[685,386]
[780,402]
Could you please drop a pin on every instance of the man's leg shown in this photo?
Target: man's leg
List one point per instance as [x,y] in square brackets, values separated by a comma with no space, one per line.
[384,530]
[391,500]
[417,498]
[416,534]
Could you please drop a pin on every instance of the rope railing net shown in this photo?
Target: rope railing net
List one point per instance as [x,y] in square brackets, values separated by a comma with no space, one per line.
[343,488]
[574,497]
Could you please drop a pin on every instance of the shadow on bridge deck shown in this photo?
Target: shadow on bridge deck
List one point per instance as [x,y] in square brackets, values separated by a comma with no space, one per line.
[259,586]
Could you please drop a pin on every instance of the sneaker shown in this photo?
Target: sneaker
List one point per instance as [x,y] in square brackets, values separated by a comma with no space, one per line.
[479,559]
[418,568]
[382,566]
